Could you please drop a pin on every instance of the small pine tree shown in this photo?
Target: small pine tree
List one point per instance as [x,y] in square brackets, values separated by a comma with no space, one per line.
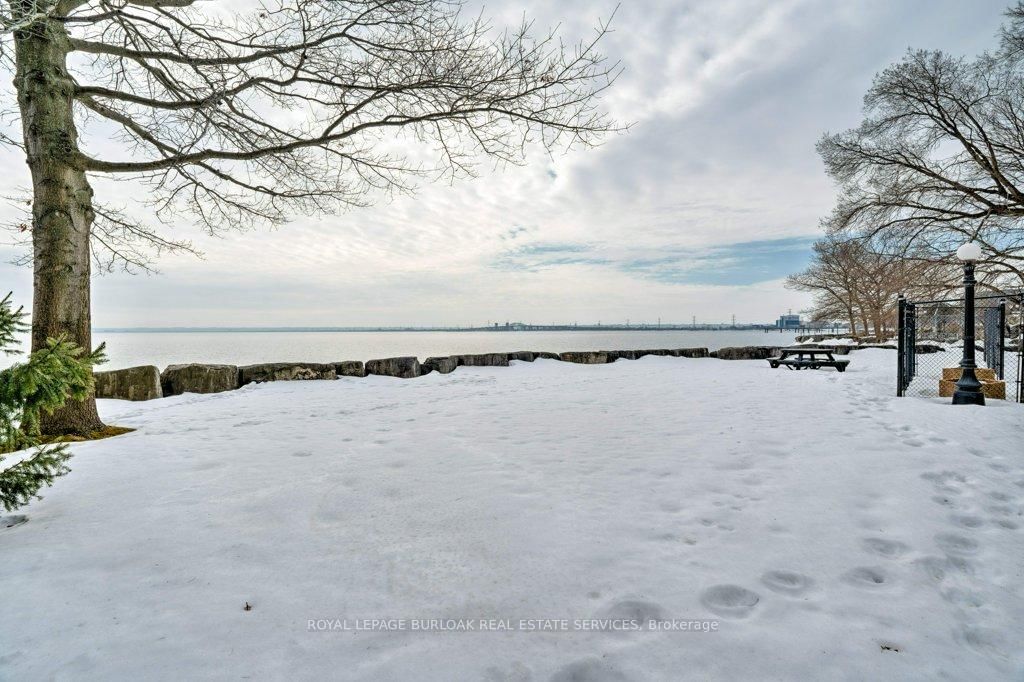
[50,377]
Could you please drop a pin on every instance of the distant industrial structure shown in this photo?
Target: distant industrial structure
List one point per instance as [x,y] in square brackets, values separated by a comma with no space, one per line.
[788,321]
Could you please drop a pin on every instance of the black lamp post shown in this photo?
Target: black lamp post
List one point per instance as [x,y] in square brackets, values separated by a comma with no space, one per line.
[968,388]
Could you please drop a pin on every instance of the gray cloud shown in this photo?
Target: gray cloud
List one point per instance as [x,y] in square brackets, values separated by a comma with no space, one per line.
[701,207]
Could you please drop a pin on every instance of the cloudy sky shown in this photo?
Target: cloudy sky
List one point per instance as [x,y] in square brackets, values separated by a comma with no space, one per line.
[699,210]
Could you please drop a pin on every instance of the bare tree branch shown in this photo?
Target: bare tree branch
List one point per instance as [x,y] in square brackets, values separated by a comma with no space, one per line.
[858,281]
[939,157]
[312,106]
[119,242]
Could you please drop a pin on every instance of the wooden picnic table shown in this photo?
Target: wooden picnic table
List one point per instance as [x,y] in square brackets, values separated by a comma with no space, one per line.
[807,357]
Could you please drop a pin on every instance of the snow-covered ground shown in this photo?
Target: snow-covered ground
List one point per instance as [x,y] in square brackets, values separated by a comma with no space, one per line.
[817,526]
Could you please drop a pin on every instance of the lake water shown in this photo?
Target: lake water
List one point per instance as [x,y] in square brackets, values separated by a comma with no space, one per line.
[126,349]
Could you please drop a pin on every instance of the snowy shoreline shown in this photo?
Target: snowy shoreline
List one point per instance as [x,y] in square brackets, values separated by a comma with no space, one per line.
[147,382]
[830,529]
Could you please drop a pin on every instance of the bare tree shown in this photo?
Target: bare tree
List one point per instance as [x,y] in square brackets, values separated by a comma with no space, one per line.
[939,157]
[829,278]
[855,282]
[295,105]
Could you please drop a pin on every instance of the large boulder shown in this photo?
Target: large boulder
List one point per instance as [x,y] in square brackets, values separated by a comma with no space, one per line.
[196,378]
[614,355]
[133,383]
[285,371]
[483,360]
[522,355]
[665,352]
[350,368]
[746,353]
[441,365]
[586,357]
[403,368]
[652,351]
[689,352]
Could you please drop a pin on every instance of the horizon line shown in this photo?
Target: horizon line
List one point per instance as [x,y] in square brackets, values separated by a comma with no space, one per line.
[705,326]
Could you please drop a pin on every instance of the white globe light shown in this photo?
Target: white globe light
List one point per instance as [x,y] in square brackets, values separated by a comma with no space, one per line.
[969,252]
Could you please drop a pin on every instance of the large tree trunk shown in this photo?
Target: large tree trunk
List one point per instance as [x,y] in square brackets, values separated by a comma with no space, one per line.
[62,212]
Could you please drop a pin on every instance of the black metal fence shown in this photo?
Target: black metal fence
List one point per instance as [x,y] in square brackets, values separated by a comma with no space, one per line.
[930,338]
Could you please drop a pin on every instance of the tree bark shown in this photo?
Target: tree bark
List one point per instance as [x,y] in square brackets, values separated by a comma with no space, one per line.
[62,213]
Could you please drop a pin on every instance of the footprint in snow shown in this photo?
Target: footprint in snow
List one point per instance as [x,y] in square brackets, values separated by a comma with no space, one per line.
[516,673]
[945,482]
[944,476]
[866,576]
[981,639]
[889,549]
[967,520]
[730,601]
[591,669]
[951,543]
[713,523]
[665,537]
[633,610]
[207,466]
[962,598]
[934,567]
[937,568]
[787,582]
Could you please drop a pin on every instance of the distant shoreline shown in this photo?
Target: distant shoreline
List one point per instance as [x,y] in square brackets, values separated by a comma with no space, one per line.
[531,328]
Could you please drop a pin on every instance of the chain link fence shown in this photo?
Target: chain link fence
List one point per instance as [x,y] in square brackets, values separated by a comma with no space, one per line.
[930,346]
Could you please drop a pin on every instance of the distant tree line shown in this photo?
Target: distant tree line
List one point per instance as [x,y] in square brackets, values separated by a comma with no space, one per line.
[938,160]
[856,284]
